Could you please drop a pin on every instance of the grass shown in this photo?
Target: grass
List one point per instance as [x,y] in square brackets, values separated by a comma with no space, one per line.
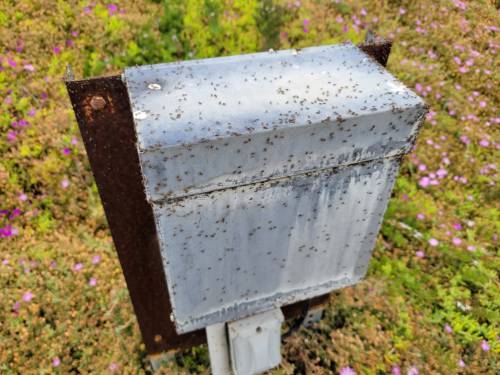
[430,303]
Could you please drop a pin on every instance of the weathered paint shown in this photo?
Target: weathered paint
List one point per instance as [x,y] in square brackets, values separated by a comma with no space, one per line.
[268,173]
[236,252]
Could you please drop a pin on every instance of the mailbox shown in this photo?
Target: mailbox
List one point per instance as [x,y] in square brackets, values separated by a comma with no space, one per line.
[265,177]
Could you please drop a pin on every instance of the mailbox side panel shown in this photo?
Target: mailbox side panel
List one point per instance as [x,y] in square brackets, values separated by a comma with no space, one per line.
[236,252]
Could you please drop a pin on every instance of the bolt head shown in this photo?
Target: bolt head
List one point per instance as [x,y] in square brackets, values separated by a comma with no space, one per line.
[97,103]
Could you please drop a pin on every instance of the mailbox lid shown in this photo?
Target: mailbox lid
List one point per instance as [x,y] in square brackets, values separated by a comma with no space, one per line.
[210,124]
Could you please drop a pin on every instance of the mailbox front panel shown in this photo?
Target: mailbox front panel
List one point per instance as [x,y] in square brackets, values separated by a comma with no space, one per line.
[233,253]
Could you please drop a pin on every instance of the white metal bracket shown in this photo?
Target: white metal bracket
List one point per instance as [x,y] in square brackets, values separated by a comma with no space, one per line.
[246,347]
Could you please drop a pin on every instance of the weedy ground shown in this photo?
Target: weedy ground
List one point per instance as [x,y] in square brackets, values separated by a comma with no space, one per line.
[430,303]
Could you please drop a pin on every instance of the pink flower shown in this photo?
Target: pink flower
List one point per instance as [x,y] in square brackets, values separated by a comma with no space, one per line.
[347,371]
[457,226]
[396,370]
[56,50]
[74,141]
[11,63]
[64,183]
[420,254]
[471,248]
[484,143]
[77,267]
[420,216]
[448,328]
[441,173]
[66,151]
[461,363]
[22,197]
[28,296]
[16,307]
[112,8]
[413,371]
[93,281]
[485,346]
[96,259]
[422,167]
[306,21]
[11,135]
[113,366]
[56,361]
[29,68]
[424,182]
[465,139]
[433,242]
[402,11]
[463,69]
[418,87]
[456,241]
[460,4]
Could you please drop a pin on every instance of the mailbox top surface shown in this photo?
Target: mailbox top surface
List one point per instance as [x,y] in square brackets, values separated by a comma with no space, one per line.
[198,100]
[208,124]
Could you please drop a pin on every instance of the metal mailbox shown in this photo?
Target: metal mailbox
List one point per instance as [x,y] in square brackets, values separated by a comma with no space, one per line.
[268,173]
[263,178]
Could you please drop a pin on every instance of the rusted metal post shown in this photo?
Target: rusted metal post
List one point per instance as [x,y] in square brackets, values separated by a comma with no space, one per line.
[102,110]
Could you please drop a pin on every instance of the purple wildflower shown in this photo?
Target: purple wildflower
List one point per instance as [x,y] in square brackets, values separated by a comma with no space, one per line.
[28,296]
[424,182]
[112,8]
[77,267]
[347,371]
[485,346]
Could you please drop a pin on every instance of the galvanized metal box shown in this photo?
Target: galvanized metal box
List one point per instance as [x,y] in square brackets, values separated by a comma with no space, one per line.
[268,173]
